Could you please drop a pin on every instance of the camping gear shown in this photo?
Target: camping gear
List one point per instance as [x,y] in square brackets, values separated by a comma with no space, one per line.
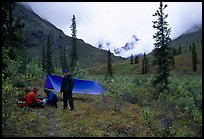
[53,82]
[21,101]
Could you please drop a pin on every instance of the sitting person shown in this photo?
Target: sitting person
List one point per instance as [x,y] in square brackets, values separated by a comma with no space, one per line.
[51,98]
[32,101]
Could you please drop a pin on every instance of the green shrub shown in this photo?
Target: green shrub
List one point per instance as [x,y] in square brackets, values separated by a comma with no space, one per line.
[9,95]
[148,117]
[33,69]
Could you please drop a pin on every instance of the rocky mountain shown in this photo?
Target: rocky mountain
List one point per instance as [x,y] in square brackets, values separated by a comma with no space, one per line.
[192,35]
[130,45]
[36,32]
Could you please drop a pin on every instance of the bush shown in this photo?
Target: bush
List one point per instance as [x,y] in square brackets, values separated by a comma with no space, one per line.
[33,69]
[120,89]
[9,95]
[148,117]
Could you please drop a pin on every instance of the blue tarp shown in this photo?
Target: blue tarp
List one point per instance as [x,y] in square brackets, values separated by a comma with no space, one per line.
[80,86]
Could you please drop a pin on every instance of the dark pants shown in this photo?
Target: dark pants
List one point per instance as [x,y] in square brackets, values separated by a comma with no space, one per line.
[68,96]
[52,103]
[37,104]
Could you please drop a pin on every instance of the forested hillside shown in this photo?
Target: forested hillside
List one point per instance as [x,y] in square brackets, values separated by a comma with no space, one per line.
[36,32]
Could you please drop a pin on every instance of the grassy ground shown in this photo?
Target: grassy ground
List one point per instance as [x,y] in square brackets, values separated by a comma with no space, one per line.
[138,114]
[95,115]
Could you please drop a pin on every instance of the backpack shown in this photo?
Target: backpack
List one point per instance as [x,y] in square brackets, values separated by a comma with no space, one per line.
[21,101]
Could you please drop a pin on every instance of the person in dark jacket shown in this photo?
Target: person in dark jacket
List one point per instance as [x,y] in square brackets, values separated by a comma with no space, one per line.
[67,85]
[51,98]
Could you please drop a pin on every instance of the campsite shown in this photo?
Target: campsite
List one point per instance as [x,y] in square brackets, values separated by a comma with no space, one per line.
[155,94]
[127,114]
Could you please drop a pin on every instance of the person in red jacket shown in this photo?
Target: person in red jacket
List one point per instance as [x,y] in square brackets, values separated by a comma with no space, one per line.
[32,101]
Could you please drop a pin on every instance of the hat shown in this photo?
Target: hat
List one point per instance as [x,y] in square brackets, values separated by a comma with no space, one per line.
[65,70]
[35,89]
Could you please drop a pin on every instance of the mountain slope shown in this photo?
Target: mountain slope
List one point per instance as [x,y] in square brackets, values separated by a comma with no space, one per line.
[36,32]
[183,62]
[188,37]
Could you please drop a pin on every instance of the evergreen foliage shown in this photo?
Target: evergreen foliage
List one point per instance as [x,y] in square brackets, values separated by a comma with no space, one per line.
[43,59]
[74,55]
[136,59]
[194,57]
[145,64]
[63,58]
[179,49]
[190,47]
[109,65]
[49,64]
[12,41]
[131,59]
[161,50]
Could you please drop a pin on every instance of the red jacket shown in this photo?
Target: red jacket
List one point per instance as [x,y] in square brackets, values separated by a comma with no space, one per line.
[31,98]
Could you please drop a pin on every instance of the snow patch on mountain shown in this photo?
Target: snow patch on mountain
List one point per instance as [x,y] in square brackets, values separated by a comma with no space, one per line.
[133,46]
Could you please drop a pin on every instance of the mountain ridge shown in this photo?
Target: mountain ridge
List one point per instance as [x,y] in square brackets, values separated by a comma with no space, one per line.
[36,32]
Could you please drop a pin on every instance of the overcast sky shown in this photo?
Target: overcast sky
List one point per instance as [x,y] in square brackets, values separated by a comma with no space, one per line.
[117,22]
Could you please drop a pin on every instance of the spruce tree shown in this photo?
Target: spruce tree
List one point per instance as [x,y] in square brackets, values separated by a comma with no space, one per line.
[12,41]
[22,51]
[109,65]
[179,51]
[194,57]
[49,64]
[63,58]
[190,47]
[143,70]
[173,61]
[136,59]
[131,59]
[148,65]
[74,55]
[144,64]
[161,53]
[43,59]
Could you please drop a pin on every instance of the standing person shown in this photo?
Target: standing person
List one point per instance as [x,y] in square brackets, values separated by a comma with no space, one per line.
[51,98]
[67,85]
[32,101]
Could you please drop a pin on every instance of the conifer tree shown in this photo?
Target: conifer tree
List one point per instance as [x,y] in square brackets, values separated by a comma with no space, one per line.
[109,65]
[49,64]
[162,39]
[144,64]
[190,47]
[74,55]
[173,61]
[63,58]
[147,65]
[12,40]
[43,59]
[131,59]
[194,57]
[143,70]
[179,51]
[136,59]
[22,55]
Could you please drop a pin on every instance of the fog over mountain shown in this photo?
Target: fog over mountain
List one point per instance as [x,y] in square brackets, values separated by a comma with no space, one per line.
[114,23]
